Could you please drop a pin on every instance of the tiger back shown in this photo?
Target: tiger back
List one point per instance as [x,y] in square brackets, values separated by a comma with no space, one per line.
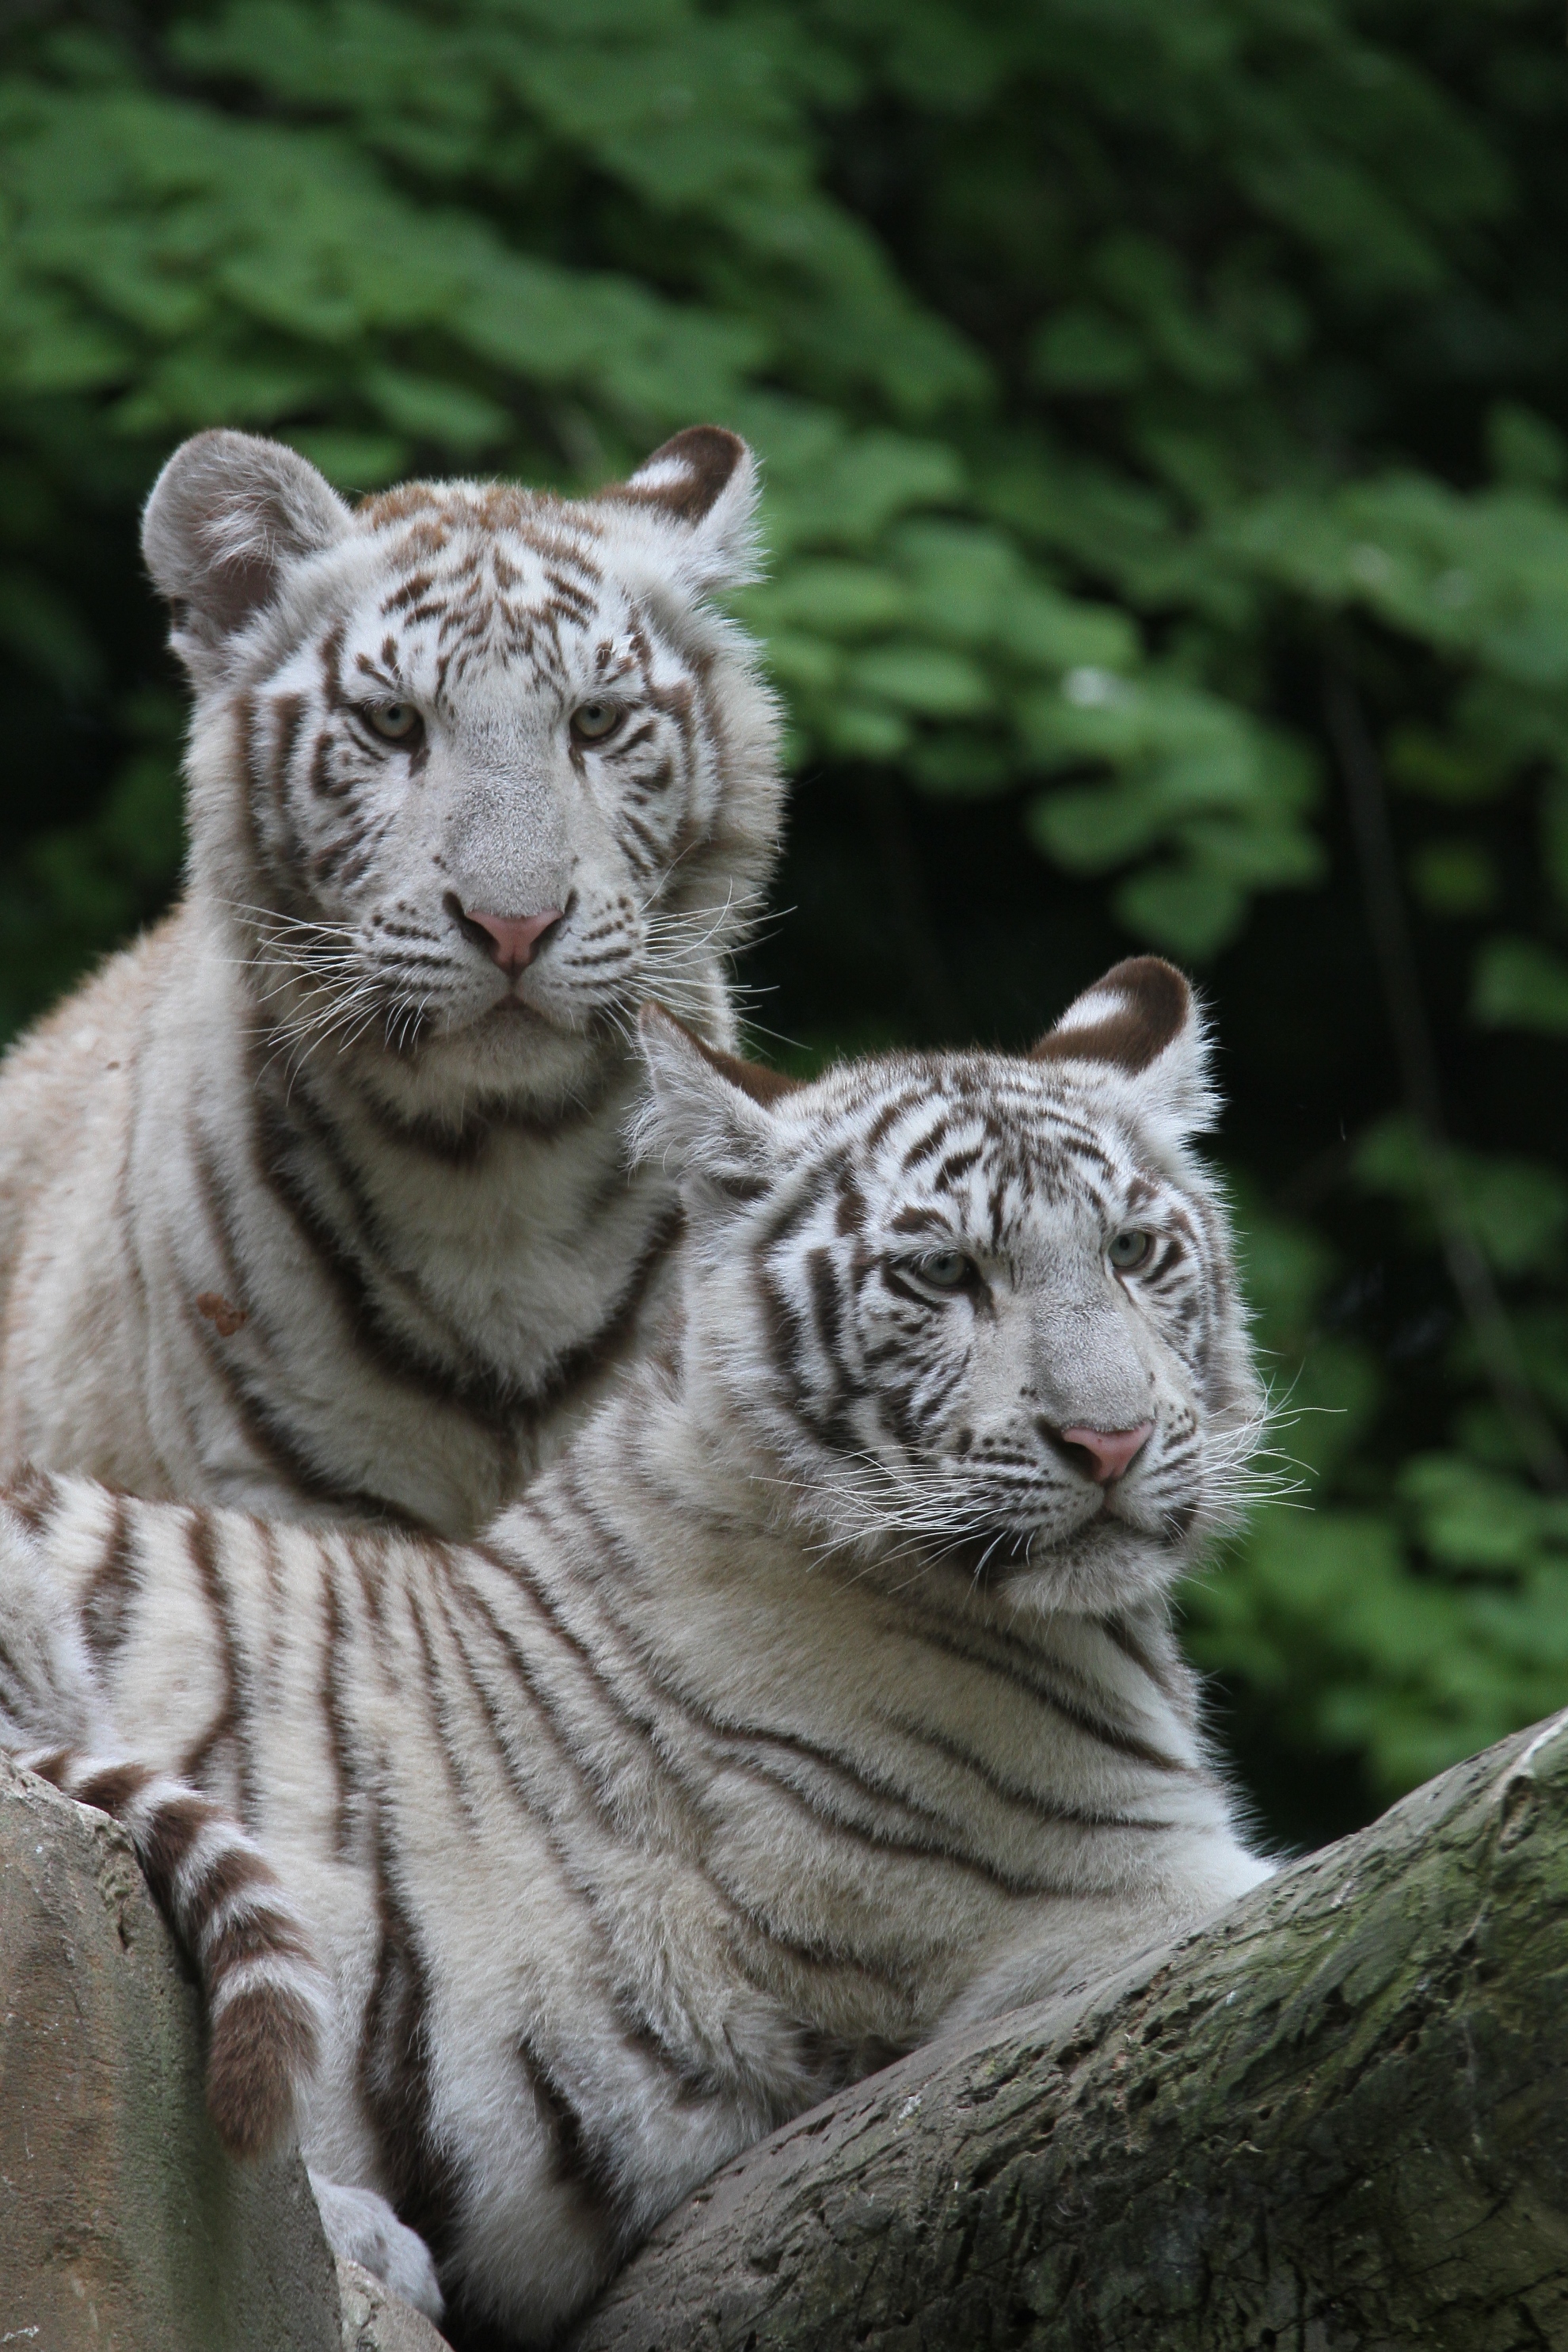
[318,1199]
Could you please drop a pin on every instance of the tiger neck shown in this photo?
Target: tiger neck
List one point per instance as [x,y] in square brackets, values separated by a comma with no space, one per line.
[490,1182]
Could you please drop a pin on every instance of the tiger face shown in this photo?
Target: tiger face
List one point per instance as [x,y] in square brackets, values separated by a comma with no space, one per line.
[981,1306]
[474,768]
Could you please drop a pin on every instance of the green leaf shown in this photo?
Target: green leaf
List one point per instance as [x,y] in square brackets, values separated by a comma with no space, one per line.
[927,680]
[1192,913]
[1086,351]
[1524,449]
[1516,1208]
[1521,984]
[1469,1518]
[1454,877]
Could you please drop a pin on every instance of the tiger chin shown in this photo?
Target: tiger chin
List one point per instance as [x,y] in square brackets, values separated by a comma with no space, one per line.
[316,1200]
[820,1697]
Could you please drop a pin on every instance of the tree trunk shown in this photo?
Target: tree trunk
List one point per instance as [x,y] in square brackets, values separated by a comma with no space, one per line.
[1338,2119]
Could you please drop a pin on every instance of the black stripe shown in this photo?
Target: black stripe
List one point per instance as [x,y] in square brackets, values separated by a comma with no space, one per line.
[663,1759]
[876,1789]
[272,1441]
[255,1411]
[462,1143]
[921,1851]
[956,1164]
[1117,1630]
[333,1708]
[584,2160]
[115,1582]
[110,1789]
[1121,1741]
[928,1143]
[488,1396]
[670,1755]
[640,2033]
[32,1496]
[471,1802]
[1013,1792]
[229,1723]
[395,2057]
[472,1385]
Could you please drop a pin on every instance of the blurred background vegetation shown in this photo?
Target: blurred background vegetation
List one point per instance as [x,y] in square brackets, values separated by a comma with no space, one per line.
[1164,410]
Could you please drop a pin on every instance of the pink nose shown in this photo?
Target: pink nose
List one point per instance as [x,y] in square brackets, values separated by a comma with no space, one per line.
[1110,1450]
[514,938]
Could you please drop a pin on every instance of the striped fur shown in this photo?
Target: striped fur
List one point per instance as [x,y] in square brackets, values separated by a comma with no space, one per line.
[307,1203]
[816,1698]
[267,1995]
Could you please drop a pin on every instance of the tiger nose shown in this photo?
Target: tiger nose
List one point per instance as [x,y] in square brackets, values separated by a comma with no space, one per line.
[1109,1450]
[513,938]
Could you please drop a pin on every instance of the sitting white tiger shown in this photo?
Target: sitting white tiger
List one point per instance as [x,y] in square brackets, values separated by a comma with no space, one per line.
[820,1696]
[318,1201]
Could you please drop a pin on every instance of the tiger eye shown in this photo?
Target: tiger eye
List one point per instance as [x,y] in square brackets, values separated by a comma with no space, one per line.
[395,720]
[592,721]
[944,1269]
[1128,1250]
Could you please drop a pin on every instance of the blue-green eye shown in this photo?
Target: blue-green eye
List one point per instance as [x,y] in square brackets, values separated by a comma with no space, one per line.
[395,720]
[1129,1251]
[592,721]
[944,1270]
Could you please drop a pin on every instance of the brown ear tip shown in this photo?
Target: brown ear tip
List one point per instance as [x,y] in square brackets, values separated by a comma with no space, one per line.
[686,474]
[709,440]
[1137,972]
[1149,1002]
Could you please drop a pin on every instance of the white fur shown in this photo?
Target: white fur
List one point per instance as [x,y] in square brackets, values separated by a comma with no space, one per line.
[816,1700]
[319,1042]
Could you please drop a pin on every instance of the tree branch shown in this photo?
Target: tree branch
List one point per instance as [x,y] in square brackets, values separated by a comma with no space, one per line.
[1337,2118]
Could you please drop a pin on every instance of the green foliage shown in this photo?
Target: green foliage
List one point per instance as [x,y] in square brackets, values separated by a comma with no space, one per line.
[1123,371]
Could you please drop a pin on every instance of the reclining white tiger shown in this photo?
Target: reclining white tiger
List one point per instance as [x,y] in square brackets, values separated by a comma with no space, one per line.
[821,1694]
[317,1201]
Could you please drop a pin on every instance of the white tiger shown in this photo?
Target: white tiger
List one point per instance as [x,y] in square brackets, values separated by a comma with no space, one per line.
[318,1199]
[821,1696]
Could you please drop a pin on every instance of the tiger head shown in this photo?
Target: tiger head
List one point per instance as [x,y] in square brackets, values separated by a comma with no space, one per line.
[474,768]
[973,1305]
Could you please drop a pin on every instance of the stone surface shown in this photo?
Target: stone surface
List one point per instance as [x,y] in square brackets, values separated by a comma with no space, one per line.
[124,2227]
[376,2320]
[1337,2121]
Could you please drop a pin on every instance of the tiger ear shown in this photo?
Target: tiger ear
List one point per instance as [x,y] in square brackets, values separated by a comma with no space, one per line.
[711,1113]
[701,491]
[227,516]
[1141,1024]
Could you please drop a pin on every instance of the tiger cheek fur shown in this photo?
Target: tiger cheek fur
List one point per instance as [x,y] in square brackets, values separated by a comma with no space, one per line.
[820,1696]
[319,1201]
[484,624]
[907,1405]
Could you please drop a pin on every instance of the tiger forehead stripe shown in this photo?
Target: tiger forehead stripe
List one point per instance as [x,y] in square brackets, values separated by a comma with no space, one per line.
[960,1128]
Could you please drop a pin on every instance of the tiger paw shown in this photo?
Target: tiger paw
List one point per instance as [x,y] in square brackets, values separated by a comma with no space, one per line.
[361,2227]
